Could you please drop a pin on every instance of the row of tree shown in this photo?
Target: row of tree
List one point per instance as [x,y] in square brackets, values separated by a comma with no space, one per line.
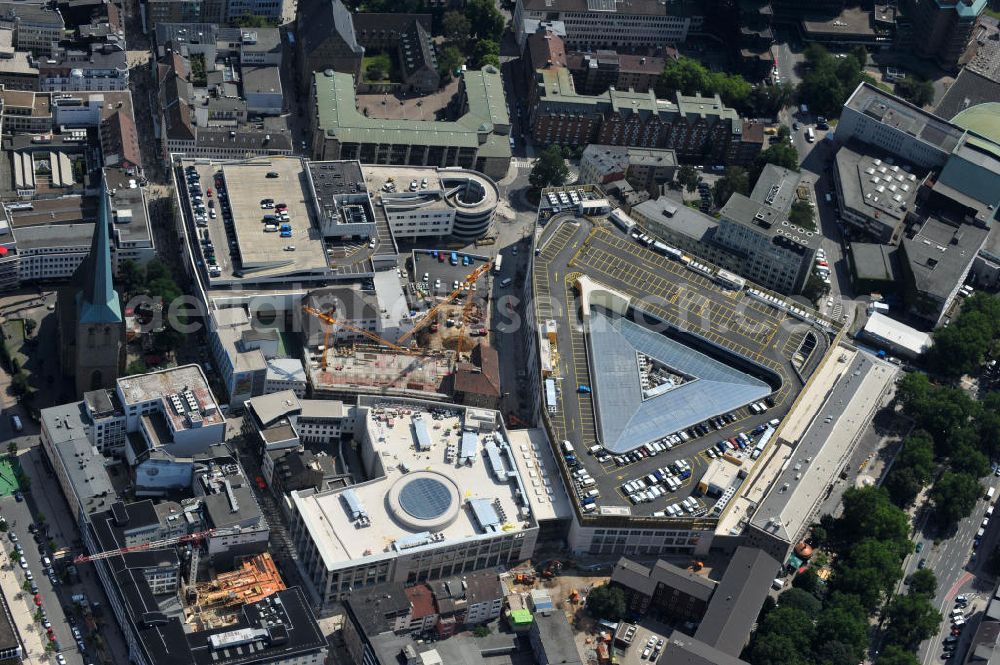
[962,346]
[827,623]
[473,36]
[954,431]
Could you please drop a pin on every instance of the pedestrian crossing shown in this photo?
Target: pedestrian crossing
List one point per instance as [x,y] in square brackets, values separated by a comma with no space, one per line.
[522,162]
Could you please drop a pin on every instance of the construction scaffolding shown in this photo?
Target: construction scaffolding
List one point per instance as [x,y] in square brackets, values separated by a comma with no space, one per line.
[213,604]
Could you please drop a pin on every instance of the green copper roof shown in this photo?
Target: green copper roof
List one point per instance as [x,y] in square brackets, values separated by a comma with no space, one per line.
[98,301]
[338,114]
[983,119]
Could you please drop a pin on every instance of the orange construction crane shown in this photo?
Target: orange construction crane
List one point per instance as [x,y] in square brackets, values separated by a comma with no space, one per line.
[155,545]
[466,311]
[330,321]
[469,280]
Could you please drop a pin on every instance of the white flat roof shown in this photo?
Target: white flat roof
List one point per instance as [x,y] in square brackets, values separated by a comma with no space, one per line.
[263,252]
[545,490]
[342,543]
[140,388]
[900,334]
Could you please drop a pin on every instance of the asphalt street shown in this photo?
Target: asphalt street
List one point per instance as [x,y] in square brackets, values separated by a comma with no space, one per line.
[957,573]
[45,498]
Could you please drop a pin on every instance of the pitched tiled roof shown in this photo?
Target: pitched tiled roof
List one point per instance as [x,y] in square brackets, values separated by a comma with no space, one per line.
[482,375]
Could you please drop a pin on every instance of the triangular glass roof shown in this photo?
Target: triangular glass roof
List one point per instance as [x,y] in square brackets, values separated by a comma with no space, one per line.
[691,386]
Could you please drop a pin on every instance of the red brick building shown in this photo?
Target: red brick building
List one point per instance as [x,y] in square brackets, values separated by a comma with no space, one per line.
[699,129]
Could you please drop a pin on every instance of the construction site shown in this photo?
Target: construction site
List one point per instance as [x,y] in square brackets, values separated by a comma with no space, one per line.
[354,360]
[218,603]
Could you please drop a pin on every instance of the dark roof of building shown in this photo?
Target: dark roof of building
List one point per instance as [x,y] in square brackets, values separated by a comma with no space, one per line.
[737,600]
[482,375]
[684,650]
[877,262]
[174,94]
[321,20]
[118,134]
[370,606]
[371,26]
[32,14]
[635,576]
[280,624]
[282,627]
[546,49]
[939,253]
[10,639]
[969,89]
[418,49]
[557,636]
[633,8]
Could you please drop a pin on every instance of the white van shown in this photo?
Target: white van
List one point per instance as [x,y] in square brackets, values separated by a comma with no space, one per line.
[588,482]
[593,494]
[567,447]
[593,450]
[989,493]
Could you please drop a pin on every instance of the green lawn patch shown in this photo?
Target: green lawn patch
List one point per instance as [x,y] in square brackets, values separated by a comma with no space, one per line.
[378,68]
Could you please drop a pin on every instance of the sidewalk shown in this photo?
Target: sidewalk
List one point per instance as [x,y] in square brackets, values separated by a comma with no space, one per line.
[23,611]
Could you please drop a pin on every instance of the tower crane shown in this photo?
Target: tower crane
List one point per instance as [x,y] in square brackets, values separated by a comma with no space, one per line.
[466,312]
[155,545]
[331,321]
[467,283]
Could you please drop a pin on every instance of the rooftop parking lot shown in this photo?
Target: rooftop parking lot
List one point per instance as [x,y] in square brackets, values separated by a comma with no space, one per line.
[666,296]
[223,204]
[441,276]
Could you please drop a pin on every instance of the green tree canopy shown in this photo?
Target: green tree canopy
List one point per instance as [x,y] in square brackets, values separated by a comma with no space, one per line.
[912,469]
[550,169]
[800,599]
[916,90]
[768,100]
[486,20]
[449,59]
[779,153]
[456,27]
[954,495]
[868,513]
[809,581]
[845,622]
[606,602]
[912,619]
[486,52]
[689,77]
[896,655]
[923,582]
[784,637]
[803,214]
[687,177]
[869,573]
[828,80]
[735,180]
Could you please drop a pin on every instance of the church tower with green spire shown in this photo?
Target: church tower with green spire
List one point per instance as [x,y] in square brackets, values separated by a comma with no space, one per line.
[91,325]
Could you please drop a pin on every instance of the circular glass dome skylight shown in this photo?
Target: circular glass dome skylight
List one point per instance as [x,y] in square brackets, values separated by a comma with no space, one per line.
[425,498]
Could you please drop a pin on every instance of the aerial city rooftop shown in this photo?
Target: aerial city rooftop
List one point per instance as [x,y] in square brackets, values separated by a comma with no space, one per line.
[571,332]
